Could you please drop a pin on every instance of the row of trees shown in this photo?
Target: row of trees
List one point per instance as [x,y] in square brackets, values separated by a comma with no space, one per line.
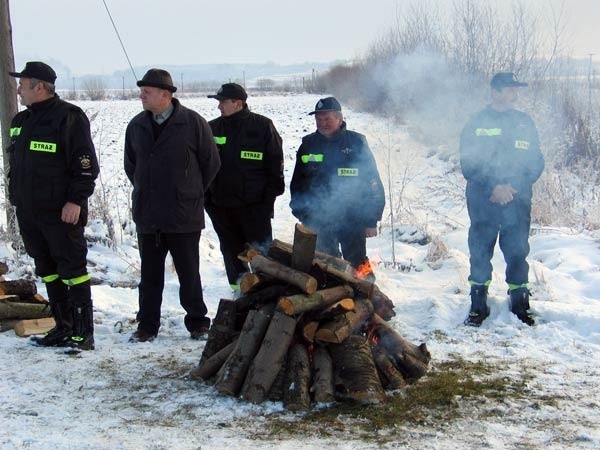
[94,88]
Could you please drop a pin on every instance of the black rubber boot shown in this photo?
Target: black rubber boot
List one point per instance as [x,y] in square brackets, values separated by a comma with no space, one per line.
[479,308]
[519,305]
[58,296]
[83,328]
[80,297]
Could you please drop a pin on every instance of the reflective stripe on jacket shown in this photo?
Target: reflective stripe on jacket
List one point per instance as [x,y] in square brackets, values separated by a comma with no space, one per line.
[500,147]
[251,155]
[52,158]
[337,179]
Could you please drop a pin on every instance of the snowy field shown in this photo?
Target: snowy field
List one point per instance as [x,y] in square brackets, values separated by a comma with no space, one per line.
[139,396]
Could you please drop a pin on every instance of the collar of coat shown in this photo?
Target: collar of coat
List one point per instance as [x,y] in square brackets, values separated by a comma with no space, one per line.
[240,115]
[337,136]
[44,104]
[176,115]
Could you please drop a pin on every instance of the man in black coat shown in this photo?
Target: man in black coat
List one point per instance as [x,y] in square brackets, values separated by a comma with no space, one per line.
[53,168]
[336,189]
[170,159]
[241,199]
[501,159]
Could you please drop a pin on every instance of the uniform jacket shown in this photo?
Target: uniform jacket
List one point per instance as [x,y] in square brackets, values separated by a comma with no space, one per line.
[336,180]
[251,161]
[170,175]
[52,159]
[500,147]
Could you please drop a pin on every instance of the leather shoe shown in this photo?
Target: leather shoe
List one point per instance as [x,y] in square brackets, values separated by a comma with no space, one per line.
[141,336]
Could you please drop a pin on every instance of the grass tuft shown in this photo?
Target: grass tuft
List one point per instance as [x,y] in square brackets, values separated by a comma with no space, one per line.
[441,396]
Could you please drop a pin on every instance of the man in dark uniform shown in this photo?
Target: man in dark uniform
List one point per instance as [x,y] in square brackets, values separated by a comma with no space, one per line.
[170,159]
[501,159]
[240,201]
[53,168]
[336,189]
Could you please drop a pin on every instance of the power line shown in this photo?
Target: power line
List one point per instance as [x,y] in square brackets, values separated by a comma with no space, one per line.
[120,40]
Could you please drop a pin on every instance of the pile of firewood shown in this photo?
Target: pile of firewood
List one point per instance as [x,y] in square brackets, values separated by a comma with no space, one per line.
[21,307]
[306,329]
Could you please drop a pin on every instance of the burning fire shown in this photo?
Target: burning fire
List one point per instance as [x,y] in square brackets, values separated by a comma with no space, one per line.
[364,270]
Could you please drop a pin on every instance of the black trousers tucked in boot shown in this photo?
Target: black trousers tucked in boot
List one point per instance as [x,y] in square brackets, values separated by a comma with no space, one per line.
[62,312]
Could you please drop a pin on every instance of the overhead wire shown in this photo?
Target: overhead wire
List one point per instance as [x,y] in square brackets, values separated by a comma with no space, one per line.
[120,40]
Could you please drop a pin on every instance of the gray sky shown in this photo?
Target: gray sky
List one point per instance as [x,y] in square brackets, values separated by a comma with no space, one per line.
[78,33]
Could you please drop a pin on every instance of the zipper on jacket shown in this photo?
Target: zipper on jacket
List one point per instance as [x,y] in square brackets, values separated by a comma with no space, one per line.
[187,163]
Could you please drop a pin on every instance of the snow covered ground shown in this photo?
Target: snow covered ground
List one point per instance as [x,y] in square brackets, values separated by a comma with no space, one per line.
[139,396]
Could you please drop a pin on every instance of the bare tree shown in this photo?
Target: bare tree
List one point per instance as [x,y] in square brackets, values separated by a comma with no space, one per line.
[95,88]
[265,84]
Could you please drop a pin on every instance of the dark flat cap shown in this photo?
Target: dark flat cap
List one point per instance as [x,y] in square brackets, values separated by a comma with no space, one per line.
[38,70]
[327,104]
[505,79]
[232,91]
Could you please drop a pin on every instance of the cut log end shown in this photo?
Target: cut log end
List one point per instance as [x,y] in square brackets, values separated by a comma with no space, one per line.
[31,327]
[286,306]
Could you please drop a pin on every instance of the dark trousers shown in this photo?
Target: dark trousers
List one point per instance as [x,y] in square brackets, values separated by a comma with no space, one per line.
[186,258]
[237,227]
[57,248]
[510,224]
[351,240]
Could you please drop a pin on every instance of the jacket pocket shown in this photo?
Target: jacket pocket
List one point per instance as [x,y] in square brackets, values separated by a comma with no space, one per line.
[49,191]
[136,205]
[188,208]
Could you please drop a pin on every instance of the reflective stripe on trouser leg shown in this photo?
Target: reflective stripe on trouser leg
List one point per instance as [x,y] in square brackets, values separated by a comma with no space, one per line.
[58,296]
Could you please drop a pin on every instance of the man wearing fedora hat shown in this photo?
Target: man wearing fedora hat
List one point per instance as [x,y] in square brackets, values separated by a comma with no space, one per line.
[336,189]
[53,168]
[241,199]
[170,159]
[501,159]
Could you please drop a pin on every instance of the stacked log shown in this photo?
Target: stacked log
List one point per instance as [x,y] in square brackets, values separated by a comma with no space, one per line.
[22,309]
[307,329]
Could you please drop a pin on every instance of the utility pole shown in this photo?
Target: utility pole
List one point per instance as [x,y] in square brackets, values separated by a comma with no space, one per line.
[590,86]
[8,102]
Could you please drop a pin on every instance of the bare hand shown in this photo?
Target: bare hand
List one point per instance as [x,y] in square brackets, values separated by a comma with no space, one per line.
[502,194]
[70,213]
[370,232]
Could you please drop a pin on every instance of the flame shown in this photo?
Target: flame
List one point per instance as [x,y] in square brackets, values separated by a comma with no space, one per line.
[364,270]
[374,338]
[372,335]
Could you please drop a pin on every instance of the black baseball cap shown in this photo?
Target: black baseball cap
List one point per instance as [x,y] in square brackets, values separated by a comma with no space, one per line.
[38,70]
[505,79]
[327,104]
[157,78]
[232,91]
